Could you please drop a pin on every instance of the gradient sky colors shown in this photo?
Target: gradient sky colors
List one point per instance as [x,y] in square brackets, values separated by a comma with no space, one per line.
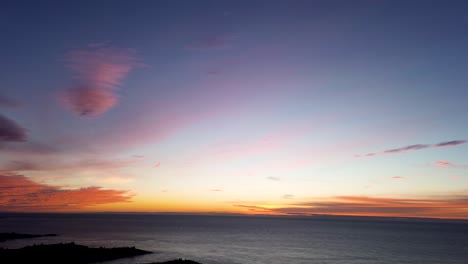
[257,107]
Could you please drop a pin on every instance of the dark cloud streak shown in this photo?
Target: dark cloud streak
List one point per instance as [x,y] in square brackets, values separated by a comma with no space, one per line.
[10,131]
[415,147]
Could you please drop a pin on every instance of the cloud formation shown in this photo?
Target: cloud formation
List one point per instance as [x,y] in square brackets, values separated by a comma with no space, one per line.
[94,164]
[406,148]
[443,163]
[10,131]
[450,143]
[452,206]
[99,72]
[19,193]
[7,102]
[415,147]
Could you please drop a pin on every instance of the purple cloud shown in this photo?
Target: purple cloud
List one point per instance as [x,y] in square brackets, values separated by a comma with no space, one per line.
[415,147]
[450,143]
[406,148]
[10,131]
[7,102]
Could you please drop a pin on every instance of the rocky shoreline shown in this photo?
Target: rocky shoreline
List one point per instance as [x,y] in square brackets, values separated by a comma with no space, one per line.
[69,253]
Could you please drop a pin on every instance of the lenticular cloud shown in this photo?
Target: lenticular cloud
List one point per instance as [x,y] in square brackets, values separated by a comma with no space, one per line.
[98,72]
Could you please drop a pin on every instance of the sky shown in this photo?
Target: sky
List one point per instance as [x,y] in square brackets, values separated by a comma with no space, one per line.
[250,107]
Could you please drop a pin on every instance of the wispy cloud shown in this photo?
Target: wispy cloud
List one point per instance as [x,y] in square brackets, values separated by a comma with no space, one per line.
[443,163]
[7,102]
[406,148]
[273,178]
[99,72]
[450,143]
[80,164]
[10,131]
[288,196]
[19,193]
[414,147]
[452,206]
[397,177]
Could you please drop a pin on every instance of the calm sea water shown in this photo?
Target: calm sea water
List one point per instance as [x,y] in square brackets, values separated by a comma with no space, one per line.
[253,240]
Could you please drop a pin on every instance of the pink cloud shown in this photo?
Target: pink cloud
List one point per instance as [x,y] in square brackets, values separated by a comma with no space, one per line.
[99,72]
[443,163]
[397,177]
[88,101]
[19,193]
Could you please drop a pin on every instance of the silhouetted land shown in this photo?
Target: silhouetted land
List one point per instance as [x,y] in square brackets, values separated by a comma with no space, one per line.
[177,261]
[69,253]
[10,236]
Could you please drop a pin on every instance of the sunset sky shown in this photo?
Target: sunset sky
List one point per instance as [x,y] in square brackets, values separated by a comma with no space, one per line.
[255,107]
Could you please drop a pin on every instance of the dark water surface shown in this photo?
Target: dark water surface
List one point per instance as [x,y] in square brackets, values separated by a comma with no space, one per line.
[253,240]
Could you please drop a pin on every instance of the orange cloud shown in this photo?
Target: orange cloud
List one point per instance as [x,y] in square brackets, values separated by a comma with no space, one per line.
[454,206]
[19,193]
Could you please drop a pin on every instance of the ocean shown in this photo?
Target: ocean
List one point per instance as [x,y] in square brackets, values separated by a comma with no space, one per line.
[253,239]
